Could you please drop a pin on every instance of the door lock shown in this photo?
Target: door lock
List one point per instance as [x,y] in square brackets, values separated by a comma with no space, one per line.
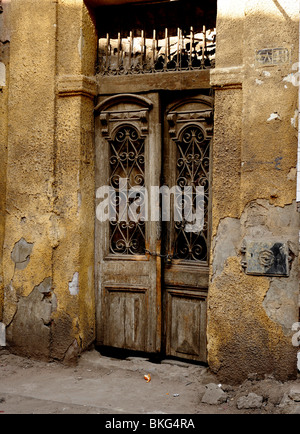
[167,258]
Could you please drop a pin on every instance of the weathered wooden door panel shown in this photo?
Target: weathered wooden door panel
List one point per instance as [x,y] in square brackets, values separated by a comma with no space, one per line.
[185,323]
[128,147]
[125,320]
[181,274]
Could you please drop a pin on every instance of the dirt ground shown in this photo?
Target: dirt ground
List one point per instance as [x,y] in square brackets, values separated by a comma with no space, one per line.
[104,385]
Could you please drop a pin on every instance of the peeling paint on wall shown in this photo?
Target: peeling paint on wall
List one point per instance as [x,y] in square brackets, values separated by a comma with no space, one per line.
[21,253]
[294,120]
[229,238]
[292,174]
[30,330]
[80,44]
[46,286]
[74,284]
[268,306]
[2,75]
[72,353]
[280,301]
[273,117]
[10,304]
[290,78]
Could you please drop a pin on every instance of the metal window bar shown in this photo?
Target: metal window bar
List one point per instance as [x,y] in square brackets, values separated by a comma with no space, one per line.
[154,51]
[131,54]
[191,48]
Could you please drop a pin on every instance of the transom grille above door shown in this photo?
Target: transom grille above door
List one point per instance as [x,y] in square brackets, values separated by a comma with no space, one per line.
[160,36]
[140,53]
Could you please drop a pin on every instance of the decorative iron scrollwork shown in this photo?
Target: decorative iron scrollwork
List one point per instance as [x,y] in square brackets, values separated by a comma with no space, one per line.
[151,53]
[127,170]
[192,171]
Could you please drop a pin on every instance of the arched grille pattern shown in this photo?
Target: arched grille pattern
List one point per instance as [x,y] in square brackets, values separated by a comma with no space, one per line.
[192,171]
[127,170]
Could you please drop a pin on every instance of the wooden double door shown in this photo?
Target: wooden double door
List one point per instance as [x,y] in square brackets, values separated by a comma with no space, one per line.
[151,259]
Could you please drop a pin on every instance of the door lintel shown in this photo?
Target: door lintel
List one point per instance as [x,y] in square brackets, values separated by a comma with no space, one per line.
[121,98]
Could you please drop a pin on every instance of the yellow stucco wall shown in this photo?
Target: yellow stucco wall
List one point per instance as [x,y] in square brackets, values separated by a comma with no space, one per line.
[254,191]
[48,246]
[4,80]
[48,191]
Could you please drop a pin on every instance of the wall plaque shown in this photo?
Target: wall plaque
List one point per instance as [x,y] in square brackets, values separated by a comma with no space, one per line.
[266,258]
[272,56]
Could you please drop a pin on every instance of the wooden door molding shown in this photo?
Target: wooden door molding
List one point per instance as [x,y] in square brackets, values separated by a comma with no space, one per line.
[123,98]
[185,113]
[135,112]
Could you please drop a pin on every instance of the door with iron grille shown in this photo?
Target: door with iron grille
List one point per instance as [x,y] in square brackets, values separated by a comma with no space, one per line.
[152,223]
[188,129]
[128,162]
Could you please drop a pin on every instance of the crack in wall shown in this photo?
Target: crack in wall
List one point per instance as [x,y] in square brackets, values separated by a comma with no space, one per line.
[262,221]
[29,328]
[74,284]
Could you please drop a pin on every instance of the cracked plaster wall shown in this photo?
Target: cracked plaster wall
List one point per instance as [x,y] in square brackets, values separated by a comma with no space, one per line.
[49,208]
[4,80]
[31,321]
[48,158]
[254,192]
[260,220]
